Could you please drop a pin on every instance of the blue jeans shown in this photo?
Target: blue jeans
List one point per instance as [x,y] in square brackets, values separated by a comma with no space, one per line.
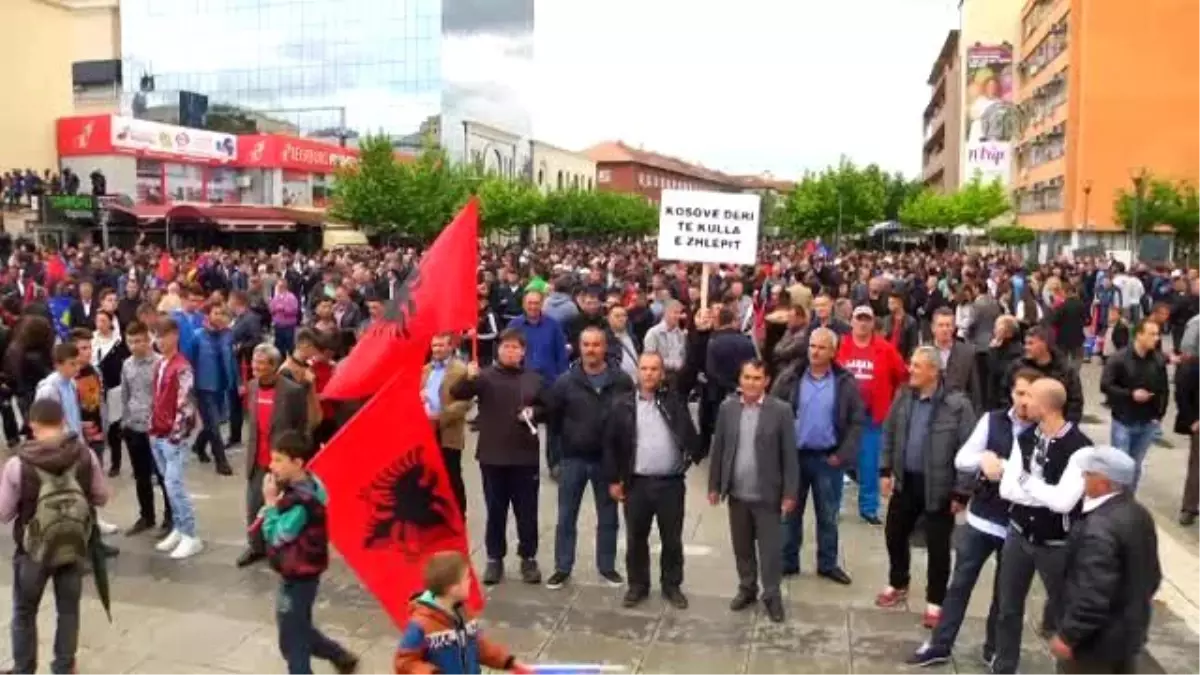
[212,407]
[574,476]
[169,457]
[285,339]
[868,470]
[973,550]
[1135,440]
[299,639]
[825,482]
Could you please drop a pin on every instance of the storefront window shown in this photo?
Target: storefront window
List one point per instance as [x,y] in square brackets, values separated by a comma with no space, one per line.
[320,190]
[296,190]
[149,182]
[185,183]
[222,186]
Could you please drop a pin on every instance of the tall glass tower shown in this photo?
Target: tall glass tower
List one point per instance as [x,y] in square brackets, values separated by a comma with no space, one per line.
[364,65]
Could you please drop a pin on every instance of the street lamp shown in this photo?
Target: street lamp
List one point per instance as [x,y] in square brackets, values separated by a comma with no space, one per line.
[1139,196]
[1087,197]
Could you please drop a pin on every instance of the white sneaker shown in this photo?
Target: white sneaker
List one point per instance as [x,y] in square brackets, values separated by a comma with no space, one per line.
[188,547]
[169,542]
[106,527]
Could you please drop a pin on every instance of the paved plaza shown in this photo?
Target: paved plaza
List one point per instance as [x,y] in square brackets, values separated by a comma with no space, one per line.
[204,615]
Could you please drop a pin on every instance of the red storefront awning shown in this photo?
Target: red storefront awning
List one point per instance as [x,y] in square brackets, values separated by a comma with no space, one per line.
[223,216]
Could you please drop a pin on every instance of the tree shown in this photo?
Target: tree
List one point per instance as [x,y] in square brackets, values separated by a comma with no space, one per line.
[928,210]
[582,213]
[508,205]
[978,203]
[899,190]
[369,194]
[857,198]
[1011,235]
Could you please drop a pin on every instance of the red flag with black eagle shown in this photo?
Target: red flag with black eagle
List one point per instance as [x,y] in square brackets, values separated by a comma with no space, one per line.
[437,296]
[390,501]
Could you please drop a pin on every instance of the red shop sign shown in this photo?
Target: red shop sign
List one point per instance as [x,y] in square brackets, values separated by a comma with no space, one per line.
[271,151]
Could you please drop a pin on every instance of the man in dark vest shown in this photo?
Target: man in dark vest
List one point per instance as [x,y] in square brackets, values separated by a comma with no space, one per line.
[1044,483]
[980,464]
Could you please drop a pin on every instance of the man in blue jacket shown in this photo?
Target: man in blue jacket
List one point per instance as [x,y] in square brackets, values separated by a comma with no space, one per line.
[545,342]
[211,354]
[190,319]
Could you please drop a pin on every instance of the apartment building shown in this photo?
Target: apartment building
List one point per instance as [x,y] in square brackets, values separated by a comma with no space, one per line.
[942,119]
[1104,90]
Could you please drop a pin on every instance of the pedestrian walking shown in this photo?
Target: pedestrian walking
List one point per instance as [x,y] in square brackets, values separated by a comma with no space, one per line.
[926,426]
[579,408]
[652,443]
[1044,484]
[754,468]
[1138,389]
[216,374]
[172,419]
[509,399]
[137,403]
[1112,571]
[829,419]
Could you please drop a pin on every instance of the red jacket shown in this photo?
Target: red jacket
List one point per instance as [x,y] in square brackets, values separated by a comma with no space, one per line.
[878,369]
[172,415]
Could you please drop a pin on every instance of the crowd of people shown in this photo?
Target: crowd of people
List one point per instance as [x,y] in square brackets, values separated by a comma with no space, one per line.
[939,382]
[23,189]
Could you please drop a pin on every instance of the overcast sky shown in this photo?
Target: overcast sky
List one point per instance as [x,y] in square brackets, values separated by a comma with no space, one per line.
[739,85]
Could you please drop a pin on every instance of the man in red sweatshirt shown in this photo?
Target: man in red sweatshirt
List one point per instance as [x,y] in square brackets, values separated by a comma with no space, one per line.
[879,370]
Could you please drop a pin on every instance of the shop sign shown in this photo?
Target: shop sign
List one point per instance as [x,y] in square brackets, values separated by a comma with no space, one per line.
[62,208]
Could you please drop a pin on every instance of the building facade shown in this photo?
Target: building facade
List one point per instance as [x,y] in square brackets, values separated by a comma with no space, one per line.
[557,169]
[57,34]
[942,120]
[491,149]
[1105,90]
[621,168]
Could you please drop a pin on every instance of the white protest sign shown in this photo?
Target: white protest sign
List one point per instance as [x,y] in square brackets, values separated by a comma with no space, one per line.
[709,227]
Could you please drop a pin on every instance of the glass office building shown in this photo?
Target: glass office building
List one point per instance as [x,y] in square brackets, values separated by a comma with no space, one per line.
[366,65]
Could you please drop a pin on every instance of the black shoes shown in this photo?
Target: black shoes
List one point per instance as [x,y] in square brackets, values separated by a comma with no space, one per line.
[613,578]
[774,607]
[114,472]
[493,573]
[1187,518]
[557,580]
[249,557]
[530,573]
[139,527]
[634,597]
[871,520]
[203,457]
[836,575]
[675,598]
[347,665]
[742,600]
[224,469]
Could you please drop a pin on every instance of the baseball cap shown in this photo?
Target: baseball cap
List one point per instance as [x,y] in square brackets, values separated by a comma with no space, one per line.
[863,309]
[1109,462]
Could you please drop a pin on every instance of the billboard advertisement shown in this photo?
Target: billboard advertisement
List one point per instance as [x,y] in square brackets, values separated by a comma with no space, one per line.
[989,113]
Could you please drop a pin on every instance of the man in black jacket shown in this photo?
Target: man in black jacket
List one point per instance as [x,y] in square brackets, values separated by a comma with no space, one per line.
[578,409]
[1112,572]
[652,442]
[510,403]
[1068,321]
[1135,381]
[1040,356]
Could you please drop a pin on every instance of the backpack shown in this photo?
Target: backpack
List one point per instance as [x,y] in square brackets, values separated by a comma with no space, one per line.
[61,526]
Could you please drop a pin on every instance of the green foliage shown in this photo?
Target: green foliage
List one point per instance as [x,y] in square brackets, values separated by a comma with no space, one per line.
[417,199]
[860,196]
[1163,203]
[899,191]
[928,210]
[581,213]
[977,203]
[1011,235]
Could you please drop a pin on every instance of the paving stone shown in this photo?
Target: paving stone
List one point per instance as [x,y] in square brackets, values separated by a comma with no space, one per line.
[694,658]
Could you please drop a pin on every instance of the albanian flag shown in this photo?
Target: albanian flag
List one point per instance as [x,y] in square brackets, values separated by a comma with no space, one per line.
[438,296]
[390,501]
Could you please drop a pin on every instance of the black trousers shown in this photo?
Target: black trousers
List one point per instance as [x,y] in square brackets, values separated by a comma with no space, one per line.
[515,486]
[235,418]
[452,458]
[145,474]
[710,402]
[650,498]
[12,432]
[114,446]
[906,506]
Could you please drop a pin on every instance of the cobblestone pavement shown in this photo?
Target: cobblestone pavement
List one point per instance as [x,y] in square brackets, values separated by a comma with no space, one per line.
[204,615]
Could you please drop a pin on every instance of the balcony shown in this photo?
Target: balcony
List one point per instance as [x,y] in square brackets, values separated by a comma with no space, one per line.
[933,164]
[1043,55]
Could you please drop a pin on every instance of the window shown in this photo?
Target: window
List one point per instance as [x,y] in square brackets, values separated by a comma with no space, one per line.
[589,183]
[643,180]
[1053,44]
[560,180]
[1041,197]
[604,176]
[1045,147]
[149,184]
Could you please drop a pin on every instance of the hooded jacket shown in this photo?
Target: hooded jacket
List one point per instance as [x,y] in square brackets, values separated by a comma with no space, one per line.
[560,307]
[19,485]
[295,532]
[439,641]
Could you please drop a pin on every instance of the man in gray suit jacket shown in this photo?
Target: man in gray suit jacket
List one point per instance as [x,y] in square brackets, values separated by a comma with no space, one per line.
[269,395]
[755,468]
[959,371]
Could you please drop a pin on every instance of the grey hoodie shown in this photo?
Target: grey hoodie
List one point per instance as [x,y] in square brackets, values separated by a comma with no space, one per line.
[560,307]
